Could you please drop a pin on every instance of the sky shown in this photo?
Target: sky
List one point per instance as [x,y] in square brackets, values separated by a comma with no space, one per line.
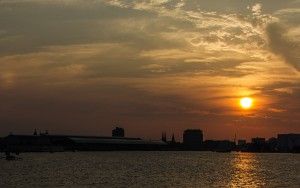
[85,66]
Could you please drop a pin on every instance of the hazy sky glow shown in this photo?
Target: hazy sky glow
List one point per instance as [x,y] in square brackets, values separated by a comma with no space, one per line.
[81,66]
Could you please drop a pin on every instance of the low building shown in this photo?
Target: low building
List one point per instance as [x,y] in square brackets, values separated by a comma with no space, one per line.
[118,132]
[114,143]
[55,143]
[258,140]
[241,145]
[30,143]
[241,142]
[257,145]
[218,145]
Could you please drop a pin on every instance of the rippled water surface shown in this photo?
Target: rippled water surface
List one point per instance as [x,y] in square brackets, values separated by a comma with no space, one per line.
[151,169]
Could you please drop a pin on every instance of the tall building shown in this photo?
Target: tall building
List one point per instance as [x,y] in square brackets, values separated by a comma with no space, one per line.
[118,132]
[288,142]
[164,136]
[193,137]
[173,139]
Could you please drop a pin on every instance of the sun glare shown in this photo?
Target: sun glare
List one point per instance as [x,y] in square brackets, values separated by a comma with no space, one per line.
[246,102]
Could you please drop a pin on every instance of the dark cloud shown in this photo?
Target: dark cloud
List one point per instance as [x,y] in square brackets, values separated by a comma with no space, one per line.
[282,45]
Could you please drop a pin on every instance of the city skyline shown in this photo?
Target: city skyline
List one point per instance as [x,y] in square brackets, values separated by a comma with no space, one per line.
[192,140]
[227,68]
[164,135]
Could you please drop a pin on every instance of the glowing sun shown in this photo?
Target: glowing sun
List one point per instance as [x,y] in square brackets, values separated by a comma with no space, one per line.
[246,102]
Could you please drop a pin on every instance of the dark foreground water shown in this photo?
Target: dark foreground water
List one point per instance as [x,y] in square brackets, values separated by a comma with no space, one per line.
[151,169]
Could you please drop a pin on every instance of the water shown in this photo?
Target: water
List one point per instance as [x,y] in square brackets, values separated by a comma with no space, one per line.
[151,169]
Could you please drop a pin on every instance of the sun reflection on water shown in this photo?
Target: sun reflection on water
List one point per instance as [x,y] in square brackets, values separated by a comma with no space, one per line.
[246,171]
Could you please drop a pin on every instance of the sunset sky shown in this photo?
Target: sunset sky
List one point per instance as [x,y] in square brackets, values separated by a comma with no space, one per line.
[84,66]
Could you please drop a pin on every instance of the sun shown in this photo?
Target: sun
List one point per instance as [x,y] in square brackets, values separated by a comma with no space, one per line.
[246,102]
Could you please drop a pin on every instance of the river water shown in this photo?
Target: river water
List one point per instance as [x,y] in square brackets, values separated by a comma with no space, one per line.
[151,169]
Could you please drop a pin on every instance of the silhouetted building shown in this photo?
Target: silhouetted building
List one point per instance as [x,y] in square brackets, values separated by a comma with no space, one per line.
[257,145]
[258,141]
[272,145]
[118,132]
[1,144]
[193,138]
[55,143]
[115,143]
[218,145]
[173,139]
[241,145]
[225,146]
[241,142]
[164,136]
[172,145]
[288,142]
[29,143]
